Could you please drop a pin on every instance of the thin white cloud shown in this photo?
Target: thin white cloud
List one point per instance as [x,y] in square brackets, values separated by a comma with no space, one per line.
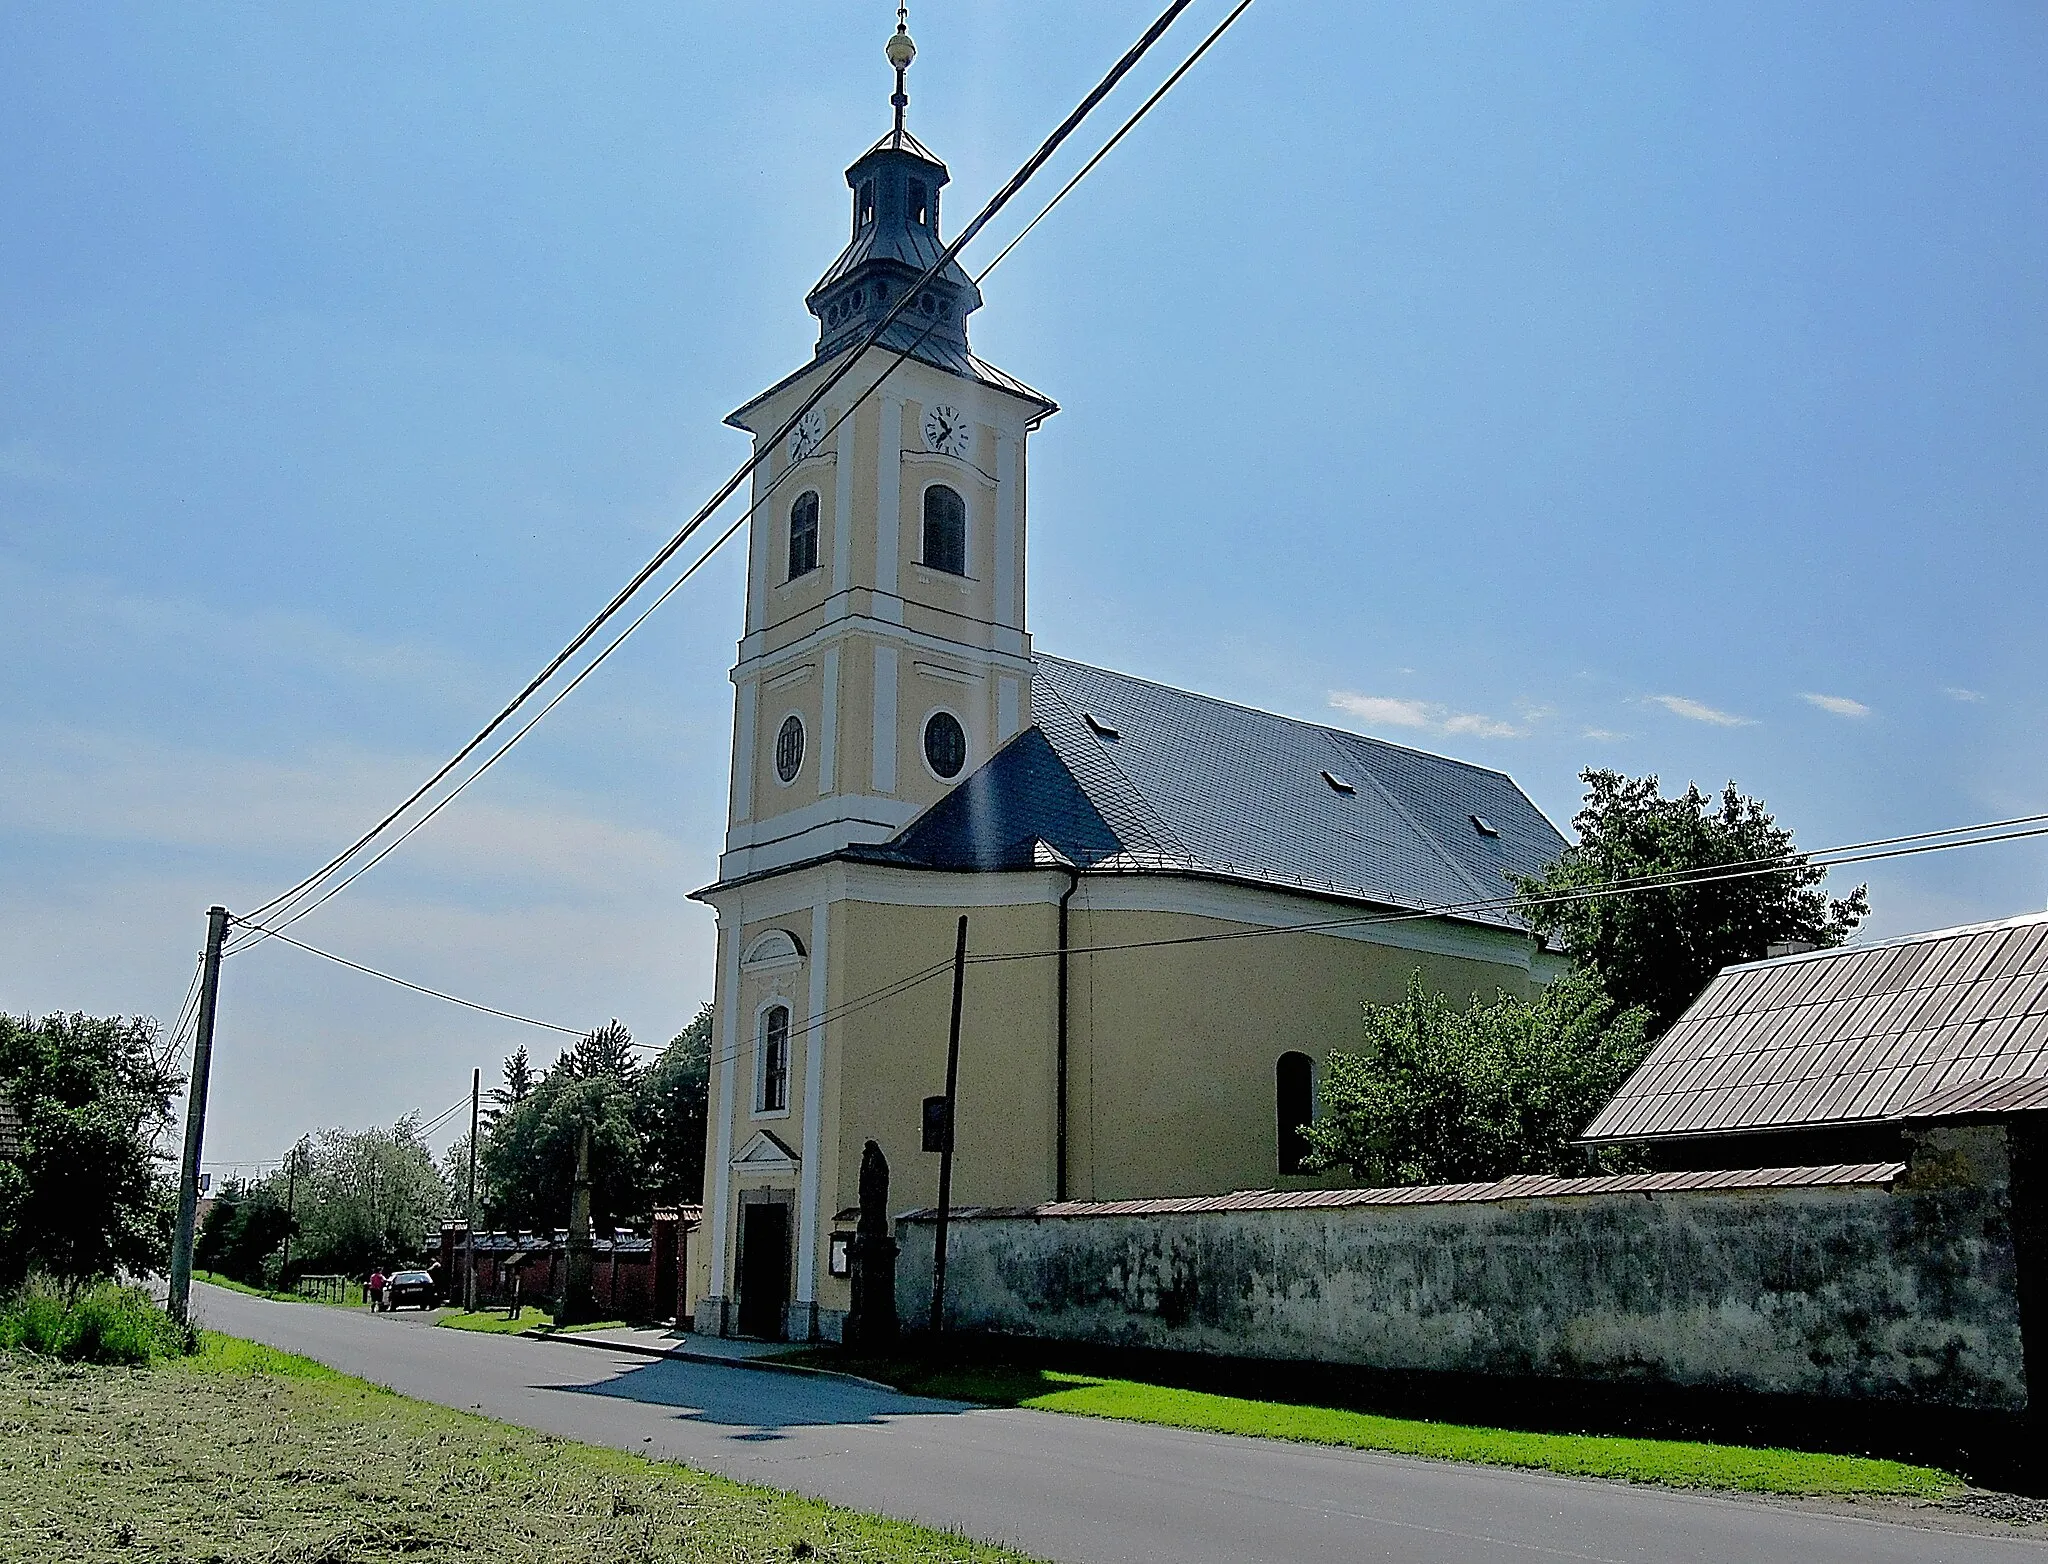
[1389,709]
[1398,712]
[1956,692]
[1840,705]
[1601,735]
[1696,711]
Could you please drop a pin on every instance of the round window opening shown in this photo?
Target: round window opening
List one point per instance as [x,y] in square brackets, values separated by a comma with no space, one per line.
[789,749]
[945,744]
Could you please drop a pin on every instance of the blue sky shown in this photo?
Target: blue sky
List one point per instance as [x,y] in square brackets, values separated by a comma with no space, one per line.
[1633,385]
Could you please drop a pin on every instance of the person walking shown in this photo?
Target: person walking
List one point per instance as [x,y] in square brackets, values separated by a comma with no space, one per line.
[376,1289]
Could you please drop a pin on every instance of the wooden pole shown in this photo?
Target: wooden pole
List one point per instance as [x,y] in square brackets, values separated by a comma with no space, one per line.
[476,1087]
[195,1120]
[291,1203]
[946,1151]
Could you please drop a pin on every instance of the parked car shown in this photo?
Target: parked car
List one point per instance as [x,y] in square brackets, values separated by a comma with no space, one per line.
[411,1287]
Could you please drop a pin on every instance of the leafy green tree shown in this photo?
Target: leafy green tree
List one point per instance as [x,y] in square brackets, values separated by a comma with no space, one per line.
[245,1225]
[1658,948]
[1443,1095]
[84,1191]
[672,1112]
[529,1161]
[647,1131]
[367,1197]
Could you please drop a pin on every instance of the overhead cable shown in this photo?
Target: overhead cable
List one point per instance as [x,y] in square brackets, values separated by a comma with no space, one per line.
[726,490]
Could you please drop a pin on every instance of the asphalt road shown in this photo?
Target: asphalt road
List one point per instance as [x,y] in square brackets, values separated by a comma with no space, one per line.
[1075,1489]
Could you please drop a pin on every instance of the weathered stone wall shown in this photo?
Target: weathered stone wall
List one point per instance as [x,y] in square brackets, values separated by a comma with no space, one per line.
[1856,1291]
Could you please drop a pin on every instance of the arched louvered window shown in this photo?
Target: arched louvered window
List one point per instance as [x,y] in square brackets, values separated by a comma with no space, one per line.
[945,530]
[1294,1091]
[803,535]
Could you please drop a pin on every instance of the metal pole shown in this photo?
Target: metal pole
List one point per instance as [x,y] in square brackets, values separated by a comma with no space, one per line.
[476,1087]
[195,1120]
[946,1151]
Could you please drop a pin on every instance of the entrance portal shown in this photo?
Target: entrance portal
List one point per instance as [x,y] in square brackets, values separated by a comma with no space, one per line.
[764,1268]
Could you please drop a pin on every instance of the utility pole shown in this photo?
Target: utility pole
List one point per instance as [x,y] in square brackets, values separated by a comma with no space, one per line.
[476,1088]
[946,1151]
[291,1203]
[195,1119]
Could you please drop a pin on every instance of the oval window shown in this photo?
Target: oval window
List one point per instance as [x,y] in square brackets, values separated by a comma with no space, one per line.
[945,744]
[789,749]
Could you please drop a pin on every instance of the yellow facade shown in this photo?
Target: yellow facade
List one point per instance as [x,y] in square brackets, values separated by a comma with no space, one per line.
[1172,1048]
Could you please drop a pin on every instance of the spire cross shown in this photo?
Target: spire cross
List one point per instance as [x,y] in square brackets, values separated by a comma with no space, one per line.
[901,52]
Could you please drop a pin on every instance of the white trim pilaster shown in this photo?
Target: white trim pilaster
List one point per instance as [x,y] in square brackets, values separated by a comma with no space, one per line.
[1003,569]
[1007,716]
[842,507]
[889,508]
[814,1113]
[727,1065]
[828,723]
[745,737]
[885,719]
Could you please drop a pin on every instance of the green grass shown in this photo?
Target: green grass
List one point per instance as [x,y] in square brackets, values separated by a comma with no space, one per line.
[245,1453]
[533,1322]
[352,1294]
[103,1323]
[1676,1463]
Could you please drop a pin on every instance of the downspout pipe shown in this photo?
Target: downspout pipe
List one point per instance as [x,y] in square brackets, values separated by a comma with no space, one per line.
[1059,1176]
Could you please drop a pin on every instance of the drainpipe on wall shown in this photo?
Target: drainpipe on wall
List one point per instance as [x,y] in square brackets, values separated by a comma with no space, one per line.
[1059,1174]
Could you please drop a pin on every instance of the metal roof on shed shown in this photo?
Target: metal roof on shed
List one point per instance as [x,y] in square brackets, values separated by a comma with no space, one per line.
[1862,1034]
[1525,1186]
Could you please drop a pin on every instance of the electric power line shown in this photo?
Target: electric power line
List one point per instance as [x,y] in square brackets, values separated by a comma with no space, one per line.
[725,491]
[1824,858]
[433,993]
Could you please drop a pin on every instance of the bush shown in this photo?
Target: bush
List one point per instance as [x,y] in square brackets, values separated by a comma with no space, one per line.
[101,1324]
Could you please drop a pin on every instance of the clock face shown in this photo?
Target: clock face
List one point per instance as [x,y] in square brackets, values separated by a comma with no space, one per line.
[809,432]
[946,430]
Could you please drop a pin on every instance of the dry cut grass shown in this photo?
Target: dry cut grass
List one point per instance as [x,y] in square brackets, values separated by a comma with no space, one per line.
[248,1454]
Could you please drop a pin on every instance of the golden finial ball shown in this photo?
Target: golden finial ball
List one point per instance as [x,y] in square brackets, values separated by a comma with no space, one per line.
[901,51]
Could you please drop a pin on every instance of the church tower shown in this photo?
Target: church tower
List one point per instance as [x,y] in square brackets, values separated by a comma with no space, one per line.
[884,660]
[885,654]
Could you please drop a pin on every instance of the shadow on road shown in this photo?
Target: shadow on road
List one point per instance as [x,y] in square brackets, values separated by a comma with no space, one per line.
[764,1403]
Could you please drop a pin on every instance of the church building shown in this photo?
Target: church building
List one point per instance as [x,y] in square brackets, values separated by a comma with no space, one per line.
[1176,905]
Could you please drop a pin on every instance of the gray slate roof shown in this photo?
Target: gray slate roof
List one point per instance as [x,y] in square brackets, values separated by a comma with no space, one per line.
[1165,780]
[1909,1028]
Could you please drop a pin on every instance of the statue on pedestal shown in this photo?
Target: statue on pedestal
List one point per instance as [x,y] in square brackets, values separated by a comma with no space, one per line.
[871,1323]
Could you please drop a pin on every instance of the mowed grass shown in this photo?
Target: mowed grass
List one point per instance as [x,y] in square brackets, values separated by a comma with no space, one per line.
[1676,1463]
[244,1453]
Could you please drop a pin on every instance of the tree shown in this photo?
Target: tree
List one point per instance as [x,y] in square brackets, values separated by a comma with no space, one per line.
[1443,1095]
[365,1198]
[244,1227]
[84,1191]
[608,1051]
[1658,948]
[517,1088]
[672,1112]
[529,1161]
